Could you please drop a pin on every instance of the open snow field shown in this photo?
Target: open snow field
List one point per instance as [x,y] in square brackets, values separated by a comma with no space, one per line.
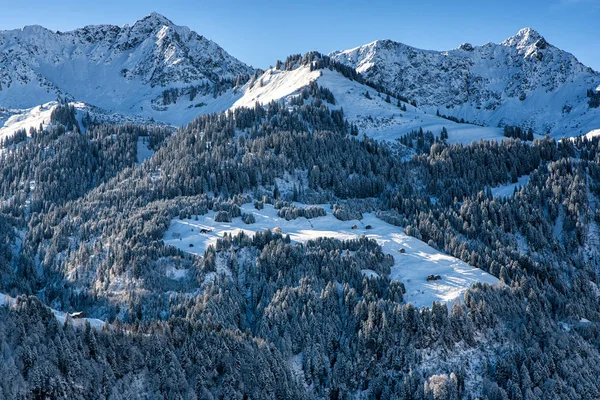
[15,120]
[509,189]
[412,267]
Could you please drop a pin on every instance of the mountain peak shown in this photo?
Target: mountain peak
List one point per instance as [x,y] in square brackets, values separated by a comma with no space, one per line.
[155,18]
[137,64]
[489,84]
[33,30]
[524,38]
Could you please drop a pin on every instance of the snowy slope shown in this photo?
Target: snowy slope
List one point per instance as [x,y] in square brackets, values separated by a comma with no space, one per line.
[509,189]
[411,267]
[143,151]
[121,69]
[13,120]
[592,134]
[374,117]
[275,85]
[6,300]
[522,81]
[385,121]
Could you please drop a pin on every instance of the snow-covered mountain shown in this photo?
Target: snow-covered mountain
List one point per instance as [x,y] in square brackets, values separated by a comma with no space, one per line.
[363,106]
[152,68]
[522,81]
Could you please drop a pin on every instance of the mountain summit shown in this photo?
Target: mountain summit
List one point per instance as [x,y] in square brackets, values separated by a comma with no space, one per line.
[525,37]
[141,68]
[522,81]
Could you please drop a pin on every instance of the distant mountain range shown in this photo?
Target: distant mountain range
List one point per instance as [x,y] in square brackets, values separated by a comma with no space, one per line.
[124,69]
[157,70]
[522,81]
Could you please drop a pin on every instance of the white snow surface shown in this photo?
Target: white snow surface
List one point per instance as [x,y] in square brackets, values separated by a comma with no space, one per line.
[12,121]
[522,81]
[94,323]
[509,189]
[592,134]
[143,151]
[374,117]
[6,300]
[412,267]
[385,121]
[120,69]
[275,85]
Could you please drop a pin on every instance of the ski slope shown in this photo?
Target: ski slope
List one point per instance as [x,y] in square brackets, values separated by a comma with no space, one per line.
[411,267]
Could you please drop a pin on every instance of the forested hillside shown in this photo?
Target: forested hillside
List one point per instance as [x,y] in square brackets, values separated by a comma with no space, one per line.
[303,316]
[315,232]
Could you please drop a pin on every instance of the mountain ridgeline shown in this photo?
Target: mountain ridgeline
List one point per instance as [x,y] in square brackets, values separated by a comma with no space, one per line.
[492,84]
[382,222]
[156,69]
[125,69]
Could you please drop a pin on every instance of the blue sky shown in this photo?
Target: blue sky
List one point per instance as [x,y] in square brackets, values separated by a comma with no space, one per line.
[260,32]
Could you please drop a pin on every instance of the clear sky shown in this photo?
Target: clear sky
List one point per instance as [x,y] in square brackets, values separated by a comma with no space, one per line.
[259,32]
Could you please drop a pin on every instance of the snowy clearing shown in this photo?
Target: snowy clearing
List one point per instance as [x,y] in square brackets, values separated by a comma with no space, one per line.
[15,120]
[509,189]
[6,300]
[411,267]
[143,152]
